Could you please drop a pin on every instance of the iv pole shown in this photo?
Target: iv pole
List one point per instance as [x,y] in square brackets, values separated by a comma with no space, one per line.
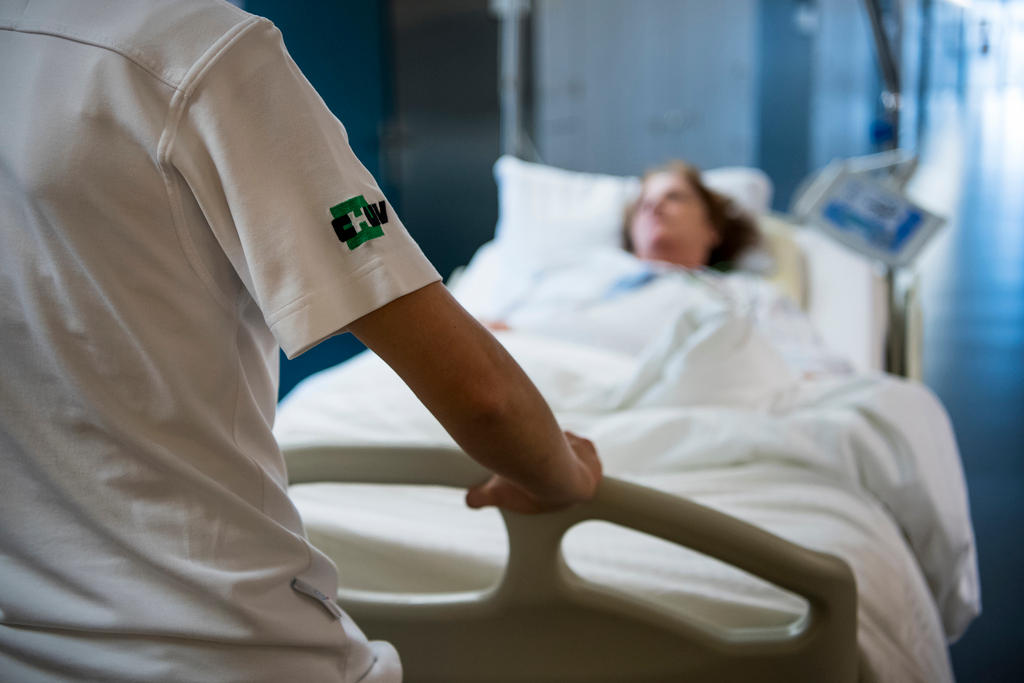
[896,332]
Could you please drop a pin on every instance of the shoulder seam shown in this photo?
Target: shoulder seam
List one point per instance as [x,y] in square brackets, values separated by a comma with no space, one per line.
[213,53]
[175,113]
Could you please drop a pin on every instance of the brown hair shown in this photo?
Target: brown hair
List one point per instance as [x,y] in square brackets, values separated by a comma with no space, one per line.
[736,229]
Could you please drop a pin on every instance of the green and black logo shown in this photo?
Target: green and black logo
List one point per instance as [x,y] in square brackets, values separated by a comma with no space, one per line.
[357,207]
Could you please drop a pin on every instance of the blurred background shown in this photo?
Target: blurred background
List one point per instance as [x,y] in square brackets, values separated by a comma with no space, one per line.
[616,86]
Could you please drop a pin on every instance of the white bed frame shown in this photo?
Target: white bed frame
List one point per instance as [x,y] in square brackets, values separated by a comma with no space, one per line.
[858,308]
[542,622]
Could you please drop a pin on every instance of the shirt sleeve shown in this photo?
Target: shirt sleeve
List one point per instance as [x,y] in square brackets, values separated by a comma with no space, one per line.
[305,226]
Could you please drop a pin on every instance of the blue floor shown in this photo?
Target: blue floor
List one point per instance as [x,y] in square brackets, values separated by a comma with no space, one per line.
[974,357]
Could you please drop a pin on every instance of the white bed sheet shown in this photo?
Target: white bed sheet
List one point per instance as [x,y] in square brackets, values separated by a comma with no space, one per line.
[864,467]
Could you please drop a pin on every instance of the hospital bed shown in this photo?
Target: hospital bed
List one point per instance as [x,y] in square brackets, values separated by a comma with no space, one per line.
[825,520]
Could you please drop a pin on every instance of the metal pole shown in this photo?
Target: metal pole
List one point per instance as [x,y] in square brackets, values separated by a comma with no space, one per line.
[896,325]
[889,67]
[895,338]
[510,13]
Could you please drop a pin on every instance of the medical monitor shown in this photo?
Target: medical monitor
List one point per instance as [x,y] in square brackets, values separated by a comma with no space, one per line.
[860,202]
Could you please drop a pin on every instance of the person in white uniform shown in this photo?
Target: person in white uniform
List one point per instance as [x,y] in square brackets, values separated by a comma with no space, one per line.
[177,203]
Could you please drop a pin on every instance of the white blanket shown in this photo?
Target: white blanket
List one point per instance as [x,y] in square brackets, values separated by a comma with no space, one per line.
[608,298]
[863,467]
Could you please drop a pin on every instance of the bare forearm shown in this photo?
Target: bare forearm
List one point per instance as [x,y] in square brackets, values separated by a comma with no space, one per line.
[477,392]
[512,431]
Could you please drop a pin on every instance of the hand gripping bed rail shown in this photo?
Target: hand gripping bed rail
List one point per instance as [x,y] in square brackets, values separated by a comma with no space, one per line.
[542,622]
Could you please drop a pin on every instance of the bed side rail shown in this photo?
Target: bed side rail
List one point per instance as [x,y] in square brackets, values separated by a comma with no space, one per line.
[539,587]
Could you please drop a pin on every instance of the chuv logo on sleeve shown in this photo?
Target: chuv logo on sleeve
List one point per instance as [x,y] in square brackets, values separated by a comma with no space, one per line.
[375,215]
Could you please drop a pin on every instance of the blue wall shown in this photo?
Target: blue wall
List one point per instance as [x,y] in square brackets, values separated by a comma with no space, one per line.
[784,99]
[342,49]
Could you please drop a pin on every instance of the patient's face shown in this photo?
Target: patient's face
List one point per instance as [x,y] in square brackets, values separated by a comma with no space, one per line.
[671,223]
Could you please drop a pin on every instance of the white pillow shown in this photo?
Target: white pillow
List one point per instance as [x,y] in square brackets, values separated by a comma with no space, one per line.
[547,215]
[751,188]
[543,210]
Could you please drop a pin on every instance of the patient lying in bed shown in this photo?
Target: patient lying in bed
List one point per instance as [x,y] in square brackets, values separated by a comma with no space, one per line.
[682,243]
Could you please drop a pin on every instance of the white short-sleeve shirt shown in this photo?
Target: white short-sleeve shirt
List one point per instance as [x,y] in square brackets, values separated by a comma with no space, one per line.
[176,203]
